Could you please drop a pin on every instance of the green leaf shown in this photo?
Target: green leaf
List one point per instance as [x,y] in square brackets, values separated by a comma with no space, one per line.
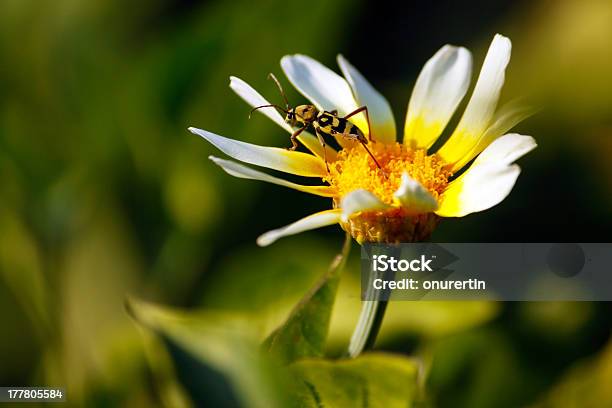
[272,283]
[371,380]
[216,355]
[305,331]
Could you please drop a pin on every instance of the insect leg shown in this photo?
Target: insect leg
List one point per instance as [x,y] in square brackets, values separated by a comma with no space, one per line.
[363,143]
[374,158]
[356,111]
[362,109]
[294,138]
[322,141]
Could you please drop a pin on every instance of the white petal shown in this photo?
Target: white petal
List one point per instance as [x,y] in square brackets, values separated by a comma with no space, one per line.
[298,163]
[317,220]
[480,188]
[488,180]
[326,89]
[414,197]
[507,149]
[482,104]
[240,171]
[323,87]
[381,116]
[439,89]
[504,119]
[360,200]
[253,98]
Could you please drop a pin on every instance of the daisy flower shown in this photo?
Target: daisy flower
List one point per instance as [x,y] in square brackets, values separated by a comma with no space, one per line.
[414,187]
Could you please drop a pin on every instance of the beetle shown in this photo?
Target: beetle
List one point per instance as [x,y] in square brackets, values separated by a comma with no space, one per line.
[323,122]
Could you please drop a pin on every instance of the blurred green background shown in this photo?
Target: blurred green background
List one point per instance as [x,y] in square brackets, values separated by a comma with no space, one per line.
[104,193]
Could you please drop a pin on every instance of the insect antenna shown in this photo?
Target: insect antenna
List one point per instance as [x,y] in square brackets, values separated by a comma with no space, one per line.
[280,88]
[374,158]
[267,106]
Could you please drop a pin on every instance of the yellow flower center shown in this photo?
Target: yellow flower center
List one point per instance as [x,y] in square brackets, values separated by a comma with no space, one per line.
[355,169]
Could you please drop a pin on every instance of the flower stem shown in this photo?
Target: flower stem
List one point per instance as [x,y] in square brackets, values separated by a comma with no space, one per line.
[368,326]
[371,317]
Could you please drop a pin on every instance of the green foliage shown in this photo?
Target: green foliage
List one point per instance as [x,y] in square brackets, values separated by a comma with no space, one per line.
[103,192]
[20,267]
[219,363]
[219,355]
[304,334]
[586,384]
[371,380]
[226,366]
[476,368]
[271,283]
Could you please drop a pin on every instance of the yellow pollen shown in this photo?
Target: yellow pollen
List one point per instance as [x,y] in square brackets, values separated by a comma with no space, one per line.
[355,169]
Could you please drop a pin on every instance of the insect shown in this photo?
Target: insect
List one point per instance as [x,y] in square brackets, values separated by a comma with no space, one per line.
[323,122]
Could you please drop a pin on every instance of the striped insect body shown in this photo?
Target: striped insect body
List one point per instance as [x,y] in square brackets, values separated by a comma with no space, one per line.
[324,123]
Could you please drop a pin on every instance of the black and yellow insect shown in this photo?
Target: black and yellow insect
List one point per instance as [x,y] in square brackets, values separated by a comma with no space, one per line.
[323,122]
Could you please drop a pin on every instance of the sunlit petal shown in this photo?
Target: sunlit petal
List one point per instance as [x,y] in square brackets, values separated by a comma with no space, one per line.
[414,197]
[241,171]
[314,221]
[323,87]
[504,119]
[298,163]
[507,149]
[381,116]
[488,180]
[481,107]
[439,89]
[253,98]
[360,200]
[480,188]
